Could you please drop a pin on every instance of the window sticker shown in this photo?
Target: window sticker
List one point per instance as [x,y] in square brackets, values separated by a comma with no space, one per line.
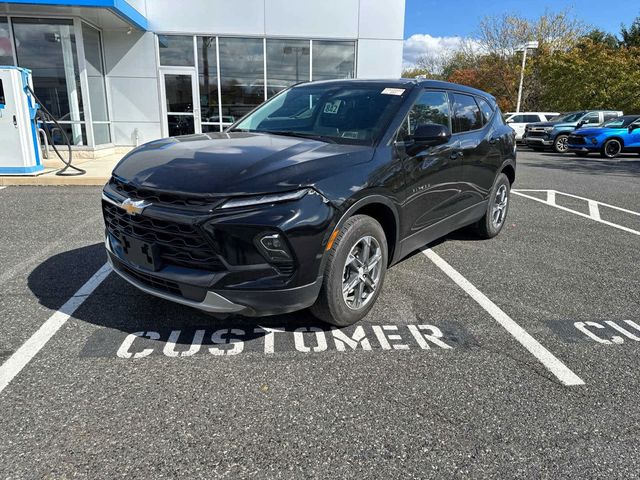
[393,91]
[332,107]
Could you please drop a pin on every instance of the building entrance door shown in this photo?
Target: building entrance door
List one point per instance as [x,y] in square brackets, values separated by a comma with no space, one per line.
[181,105]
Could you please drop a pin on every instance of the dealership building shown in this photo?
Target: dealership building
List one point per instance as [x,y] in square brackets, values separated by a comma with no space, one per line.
[119,73]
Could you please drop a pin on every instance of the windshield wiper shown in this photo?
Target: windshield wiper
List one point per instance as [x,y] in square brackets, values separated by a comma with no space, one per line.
[311,136]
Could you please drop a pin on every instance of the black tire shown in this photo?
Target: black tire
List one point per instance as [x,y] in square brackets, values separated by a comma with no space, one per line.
[561,143]
[331,306]
[581,154]
[612,148]
[486,228]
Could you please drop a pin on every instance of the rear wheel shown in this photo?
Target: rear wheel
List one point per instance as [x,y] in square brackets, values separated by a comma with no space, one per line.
[612,148]
[490,225]
[354,272]
[561,144]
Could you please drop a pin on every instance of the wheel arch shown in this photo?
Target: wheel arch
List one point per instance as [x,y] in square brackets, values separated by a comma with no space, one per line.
[384,212]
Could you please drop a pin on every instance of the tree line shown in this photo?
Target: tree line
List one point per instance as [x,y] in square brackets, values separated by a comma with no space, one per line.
[575,66]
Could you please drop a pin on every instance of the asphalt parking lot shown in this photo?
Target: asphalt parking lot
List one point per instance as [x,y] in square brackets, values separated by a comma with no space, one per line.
[511,358]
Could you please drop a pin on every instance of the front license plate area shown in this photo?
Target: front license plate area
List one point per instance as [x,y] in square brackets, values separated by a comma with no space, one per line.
[140,253]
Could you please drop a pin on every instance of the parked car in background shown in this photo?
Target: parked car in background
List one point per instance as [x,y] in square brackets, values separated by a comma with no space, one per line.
[518,121]
[555,134]
[614,137]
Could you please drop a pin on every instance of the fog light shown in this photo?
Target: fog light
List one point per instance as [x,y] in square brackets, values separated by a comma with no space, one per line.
[274,247]
[594,141]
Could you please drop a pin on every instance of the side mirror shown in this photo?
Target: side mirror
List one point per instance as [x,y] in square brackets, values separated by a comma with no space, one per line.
[581,123]
[510,120]
[633,127]
[431,134]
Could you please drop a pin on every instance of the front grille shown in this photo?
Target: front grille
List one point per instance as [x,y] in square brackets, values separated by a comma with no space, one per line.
[167,199]
[179,244]
[536,134]
[577,140]
[149,280]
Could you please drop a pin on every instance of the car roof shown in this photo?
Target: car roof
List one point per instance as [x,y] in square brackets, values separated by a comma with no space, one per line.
[407,83]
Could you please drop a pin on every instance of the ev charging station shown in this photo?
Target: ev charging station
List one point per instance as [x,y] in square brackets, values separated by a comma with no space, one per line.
[19,141]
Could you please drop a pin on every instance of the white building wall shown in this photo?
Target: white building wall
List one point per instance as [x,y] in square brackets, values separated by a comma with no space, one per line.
[132,82]
[131,65]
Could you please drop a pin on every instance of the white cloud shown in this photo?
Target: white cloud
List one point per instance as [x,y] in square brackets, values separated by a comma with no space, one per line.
[424,44]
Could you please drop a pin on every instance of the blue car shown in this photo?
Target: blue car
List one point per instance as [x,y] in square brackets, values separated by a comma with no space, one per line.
[614,137]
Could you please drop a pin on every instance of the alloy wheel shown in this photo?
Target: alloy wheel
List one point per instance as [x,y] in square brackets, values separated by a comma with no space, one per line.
[499,209]
[612,149]
[562,144]
[361,275]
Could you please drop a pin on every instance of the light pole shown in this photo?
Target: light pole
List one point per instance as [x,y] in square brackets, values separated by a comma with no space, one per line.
[524,48]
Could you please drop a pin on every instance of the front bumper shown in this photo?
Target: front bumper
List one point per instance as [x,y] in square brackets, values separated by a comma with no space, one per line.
[538,142]
[249,303]
[237,278]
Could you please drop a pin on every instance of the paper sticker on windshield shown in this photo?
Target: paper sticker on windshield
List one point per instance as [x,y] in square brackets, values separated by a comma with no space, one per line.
[393,91]
[332,107]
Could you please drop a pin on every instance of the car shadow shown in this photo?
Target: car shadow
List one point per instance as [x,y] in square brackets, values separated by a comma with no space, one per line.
[117,305]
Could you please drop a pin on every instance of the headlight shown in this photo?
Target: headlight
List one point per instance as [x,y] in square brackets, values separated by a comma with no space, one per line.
[548,129]
[262,199]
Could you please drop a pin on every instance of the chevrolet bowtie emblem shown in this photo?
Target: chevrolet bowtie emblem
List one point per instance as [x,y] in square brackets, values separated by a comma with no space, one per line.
[134,207]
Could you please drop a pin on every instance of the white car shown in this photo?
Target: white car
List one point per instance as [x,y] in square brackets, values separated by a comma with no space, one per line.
[518,121]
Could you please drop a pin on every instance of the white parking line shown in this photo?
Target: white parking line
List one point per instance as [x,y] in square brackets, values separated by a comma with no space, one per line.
[21,357]
[548,359]
[1,188]
[594,207]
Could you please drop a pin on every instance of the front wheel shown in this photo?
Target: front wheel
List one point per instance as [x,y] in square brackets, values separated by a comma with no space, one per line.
[561,144]
[490,225]
[354,272]
[611,149]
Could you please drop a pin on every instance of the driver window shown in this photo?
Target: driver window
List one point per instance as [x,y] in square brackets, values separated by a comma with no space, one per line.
[431,107]
[591,118]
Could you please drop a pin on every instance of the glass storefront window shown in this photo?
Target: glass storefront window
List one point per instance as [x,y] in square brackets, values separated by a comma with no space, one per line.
[48,48]
[6,55]
[95,78]
[242,76]
[287,64]
[176,50]
[208,79]
[333,59]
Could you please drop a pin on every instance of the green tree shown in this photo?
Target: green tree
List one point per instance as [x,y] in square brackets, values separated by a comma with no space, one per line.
[601,37]
[631,35]
[592,76]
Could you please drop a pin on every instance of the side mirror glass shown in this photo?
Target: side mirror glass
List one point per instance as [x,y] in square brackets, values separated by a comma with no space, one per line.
[431,134]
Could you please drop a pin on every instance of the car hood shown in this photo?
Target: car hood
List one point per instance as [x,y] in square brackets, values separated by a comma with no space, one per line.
[224,164]
[552,124]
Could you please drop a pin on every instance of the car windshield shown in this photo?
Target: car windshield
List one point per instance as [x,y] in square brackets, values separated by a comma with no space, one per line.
[572,117]
[620,122]
[333,112]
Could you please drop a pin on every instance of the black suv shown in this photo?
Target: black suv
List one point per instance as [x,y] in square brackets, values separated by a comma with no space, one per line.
[308,200]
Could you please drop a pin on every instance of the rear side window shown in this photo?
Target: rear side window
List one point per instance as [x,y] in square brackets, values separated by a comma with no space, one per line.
[431,107]
[466,114]
[2,100]
[610,116]
[531,118]
[485,108]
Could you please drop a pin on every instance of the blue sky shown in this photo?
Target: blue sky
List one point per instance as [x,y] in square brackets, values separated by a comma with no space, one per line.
[437,23]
